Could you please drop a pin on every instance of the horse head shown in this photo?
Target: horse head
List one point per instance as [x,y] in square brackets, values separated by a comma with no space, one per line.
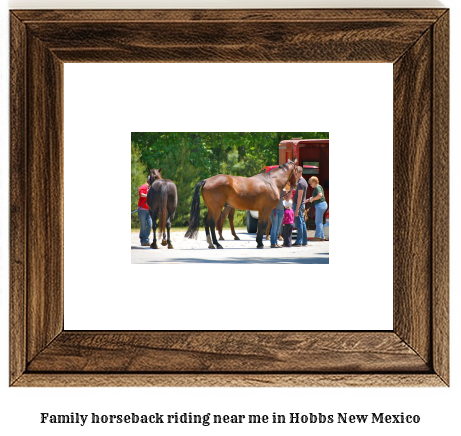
[154,174]
[294,168]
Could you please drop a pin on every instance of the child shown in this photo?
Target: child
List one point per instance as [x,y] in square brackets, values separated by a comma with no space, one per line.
[288,220]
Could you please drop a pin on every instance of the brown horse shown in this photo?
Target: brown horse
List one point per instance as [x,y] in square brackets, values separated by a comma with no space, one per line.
[162,199]
[260,192]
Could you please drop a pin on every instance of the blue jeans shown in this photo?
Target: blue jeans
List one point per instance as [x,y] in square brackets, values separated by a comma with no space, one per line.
[276,223]
[146,225]
[320,209]
[301,238]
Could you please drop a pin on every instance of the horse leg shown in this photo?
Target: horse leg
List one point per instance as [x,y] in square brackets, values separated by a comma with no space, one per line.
[154,228]
[213,235]
[219,226]
[207,231]
[268,230]
[262,224]
[214,218]
[220,223]
[164,240]
[168,227]
[231,222]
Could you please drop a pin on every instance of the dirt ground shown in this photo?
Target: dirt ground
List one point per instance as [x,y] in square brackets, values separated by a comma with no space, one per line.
[242,251]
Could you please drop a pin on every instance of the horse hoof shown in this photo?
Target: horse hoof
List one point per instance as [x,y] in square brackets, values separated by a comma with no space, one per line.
[154,246]
[211,247]
[170,246]
[236,238]
[221,238]
[260,246]
[219,246]
[267,238]
[164,242]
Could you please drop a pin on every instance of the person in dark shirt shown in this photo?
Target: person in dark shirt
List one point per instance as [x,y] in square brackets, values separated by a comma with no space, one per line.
[318,200]
[298,208]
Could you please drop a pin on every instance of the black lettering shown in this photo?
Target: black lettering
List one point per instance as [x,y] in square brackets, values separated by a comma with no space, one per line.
[257,419]
[394,419]
[278,419]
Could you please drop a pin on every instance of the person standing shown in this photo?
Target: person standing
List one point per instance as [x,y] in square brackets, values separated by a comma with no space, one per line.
[144,215]
[288,220]
[298,208]
[276,220]
[318,200]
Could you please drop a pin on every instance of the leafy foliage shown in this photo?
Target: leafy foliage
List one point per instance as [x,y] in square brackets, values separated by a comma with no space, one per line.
[177,166]
[188,157]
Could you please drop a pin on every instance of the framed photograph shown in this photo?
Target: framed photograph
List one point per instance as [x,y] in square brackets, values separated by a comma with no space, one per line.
[48,265]
[223,178]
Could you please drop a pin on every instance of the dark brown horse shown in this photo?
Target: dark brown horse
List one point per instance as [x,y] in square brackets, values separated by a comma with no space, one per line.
[162,199]
[228,211]
[260,192]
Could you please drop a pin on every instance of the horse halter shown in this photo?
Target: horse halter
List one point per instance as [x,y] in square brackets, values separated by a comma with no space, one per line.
[293,174]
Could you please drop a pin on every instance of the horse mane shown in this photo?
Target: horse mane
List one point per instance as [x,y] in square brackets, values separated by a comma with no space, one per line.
[284,166]
[158,176]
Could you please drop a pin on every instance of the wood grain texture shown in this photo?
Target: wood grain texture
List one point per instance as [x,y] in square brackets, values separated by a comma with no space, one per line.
[45,200]
[255,41]
[440,216]
[225,351]
[230,380]
[18,211]
[412,195]
[415,354]
[205,15]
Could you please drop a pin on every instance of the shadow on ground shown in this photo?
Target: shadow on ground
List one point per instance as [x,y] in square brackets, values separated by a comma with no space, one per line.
[235,260]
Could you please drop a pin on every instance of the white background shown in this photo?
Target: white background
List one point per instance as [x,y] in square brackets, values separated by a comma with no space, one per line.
[104,103]
[439,408]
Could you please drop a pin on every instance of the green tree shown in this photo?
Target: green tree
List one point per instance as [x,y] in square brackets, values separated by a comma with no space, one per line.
[177,166]
[232,165]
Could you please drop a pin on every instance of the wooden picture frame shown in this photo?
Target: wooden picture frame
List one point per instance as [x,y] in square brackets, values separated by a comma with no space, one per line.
[414,353]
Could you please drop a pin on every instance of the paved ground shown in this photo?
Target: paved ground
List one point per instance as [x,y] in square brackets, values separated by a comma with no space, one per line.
[243,251]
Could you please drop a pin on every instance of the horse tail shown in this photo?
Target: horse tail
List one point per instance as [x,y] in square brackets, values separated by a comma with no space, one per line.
[194,222]
[162,209]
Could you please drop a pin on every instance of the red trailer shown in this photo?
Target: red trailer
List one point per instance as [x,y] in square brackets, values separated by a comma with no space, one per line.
[309,152]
